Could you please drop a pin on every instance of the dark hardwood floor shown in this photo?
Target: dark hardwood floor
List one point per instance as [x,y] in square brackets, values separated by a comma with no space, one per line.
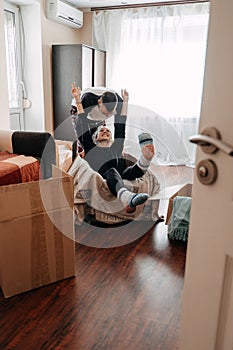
[127,297]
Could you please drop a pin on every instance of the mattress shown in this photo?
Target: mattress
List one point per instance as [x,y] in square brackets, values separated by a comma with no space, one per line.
[16,168]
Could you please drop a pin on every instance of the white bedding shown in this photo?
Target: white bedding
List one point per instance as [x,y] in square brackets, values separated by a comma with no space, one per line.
[91,195]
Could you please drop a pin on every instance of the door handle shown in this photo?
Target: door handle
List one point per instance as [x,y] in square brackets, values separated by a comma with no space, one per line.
[210,142]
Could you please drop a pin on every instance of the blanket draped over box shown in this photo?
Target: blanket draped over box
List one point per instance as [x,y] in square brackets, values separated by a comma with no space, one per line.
[179,224]
[92,196]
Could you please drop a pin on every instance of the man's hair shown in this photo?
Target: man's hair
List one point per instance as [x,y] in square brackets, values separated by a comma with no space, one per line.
[109,99]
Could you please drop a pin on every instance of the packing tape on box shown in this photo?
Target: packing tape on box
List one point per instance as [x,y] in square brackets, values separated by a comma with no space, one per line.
[39,255]
[59,247]
[58,235]
[41,225]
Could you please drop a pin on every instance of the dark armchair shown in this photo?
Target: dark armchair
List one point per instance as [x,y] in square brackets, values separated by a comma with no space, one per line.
[40,145]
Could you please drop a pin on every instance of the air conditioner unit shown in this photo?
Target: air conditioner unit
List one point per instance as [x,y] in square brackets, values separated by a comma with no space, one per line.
[61,12]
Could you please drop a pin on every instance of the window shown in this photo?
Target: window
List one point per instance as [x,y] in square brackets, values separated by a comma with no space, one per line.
[14,71]
[158,54]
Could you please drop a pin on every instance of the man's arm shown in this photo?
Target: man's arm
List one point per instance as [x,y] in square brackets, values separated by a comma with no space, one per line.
[122,105]
[76,93]
[81,123]
[76,107]
[125,98]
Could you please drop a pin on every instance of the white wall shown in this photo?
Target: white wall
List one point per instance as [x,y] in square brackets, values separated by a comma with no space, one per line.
[41,34]
[86,30]
[53,33]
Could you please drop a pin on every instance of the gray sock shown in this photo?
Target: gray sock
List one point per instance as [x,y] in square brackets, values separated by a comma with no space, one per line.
[125,195]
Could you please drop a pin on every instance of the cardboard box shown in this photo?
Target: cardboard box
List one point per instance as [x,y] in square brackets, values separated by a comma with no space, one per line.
[168,194]
[185,191]
[63,152]
[37,244]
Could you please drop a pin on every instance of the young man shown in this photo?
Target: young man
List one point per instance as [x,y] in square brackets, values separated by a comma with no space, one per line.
[99,108]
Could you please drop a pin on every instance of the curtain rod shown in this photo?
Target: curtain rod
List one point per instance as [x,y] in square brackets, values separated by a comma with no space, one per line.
[150,4]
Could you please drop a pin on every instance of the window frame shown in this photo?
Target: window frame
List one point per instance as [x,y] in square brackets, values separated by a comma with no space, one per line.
[16,113]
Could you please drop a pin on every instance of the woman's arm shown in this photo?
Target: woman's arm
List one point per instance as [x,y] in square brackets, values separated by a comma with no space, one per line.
[119,134]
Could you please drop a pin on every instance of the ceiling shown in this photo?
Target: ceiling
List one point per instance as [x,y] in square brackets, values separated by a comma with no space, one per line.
[88,4]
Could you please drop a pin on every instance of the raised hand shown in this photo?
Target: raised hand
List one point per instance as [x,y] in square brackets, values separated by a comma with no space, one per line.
[125,95]
[76,91]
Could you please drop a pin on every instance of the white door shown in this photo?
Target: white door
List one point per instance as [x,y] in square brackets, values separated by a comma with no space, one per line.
[207,315]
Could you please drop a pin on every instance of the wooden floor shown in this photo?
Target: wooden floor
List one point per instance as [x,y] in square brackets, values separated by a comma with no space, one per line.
[127,297]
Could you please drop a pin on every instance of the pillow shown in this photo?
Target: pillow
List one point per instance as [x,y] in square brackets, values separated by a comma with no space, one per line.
[5,140]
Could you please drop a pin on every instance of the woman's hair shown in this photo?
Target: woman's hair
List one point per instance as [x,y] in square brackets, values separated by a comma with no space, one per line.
[103,143]
[109,99]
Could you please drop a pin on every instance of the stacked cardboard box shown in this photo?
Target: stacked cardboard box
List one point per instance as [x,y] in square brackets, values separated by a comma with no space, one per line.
[36,233]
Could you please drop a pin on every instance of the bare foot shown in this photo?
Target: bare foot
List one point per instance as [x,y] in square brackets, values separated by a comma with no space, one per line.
[148,151]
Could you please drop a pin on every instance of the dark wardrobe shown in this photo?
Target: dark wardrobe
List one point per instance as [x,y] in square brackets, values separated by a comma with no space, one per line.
[73,62]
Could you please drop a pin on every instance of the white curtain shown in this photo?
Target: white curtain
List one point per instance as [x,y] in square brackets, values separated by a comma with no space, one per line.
[158,55]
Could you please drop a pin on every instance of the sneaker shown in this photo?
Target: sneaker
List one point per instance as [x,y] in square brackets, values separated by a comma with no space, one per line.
[137,199]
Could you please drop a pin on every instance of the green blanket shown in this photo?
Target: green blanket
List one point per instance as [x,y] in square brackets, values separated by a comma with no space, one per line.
[179,223]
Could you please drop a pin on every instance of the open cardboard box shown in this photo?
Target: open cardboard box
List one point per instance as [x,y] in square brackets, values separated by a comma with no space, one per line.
[169,193]
[63,154]
[185,191]
[37,244]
